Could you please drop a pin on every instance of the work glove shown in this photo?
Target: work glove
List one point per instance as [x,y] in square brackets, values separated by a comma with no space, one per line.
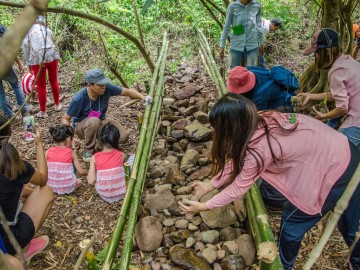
[148,100]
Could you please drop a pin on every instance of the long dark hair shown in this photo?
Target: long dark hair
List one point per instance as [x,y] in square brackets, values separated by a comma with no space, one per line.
[11,165]
[235,120]
[61,132]
[327,57]
[109,136]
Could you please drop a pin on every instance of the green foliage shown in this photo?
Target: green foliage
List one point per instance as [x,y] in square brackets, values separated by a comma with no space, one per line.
[78,39]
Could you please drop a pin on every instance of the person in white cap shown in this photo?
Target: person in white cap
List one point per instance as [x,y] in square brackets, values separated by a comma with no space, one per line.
[89,106]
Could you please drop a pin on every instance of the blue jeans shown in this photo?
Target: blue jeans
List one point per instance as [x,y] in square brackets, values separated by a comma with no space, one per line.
[295,223]
[251,58]
[353,135]
[11,77]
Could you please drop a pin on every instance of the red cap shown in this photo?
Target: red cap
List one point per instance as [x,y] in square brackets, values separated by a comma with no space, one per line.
[240,80]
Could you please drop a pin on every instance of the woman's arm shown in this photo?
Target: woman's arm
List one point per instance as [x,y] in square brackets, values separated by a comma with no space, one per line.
[78,166]
[228,23]
[91,177]
[321,96]
[40,176]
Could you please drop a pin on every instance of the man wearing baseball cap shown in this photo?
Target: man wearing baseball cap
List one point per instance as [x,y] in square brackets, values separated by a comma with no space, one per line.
[88,109]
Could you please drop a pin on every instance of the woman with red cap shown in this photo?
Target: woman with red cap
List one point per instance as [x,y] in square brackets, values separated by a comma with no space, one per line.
[344,82]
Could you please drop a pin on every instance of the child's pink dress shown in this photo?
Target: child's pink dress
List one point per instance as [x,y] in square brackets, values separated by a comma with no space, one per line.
[110,177]
[61,172]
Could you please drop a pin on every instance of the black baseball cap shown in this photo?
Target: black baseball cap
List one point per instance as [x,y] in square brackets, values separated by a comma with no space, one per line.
[325,38]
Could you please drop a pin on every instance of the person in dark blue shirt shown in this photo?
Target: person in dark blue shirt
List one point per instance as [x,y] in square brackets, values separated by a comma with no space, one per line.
[274,97]
[89,106]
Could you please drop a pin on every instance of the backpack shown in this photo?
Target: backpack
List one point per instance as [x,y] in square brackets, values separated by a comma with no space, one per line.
[277,74]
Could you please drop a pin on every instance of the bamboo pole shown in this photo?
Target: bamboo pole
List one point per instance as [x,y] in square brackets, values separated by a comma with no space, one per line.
[267,249]
[206,66]
[340,207]
[120,224]
[211,59]
[128,241]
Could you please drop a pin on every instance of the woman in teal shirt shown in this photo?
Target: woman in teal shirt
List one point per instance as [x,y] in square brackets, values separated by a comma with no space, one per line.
[244,18]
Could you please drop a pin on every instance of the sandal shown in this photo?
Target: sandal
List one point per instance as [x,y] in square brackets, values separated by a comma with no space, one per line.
[36,246]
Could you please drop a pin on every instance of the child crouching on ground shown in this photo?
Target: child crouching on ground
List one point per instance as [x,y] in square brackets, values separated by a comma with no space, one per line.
[62,161]
[106,167]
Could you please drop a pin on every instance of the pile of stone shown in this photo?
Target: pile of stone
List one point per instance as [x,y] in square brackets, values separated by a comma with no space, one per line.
[167,239]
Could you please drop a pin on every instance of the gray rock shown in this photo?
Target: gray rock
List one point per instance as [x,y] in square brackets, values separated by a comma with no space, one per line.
[168,101]
[200,174]
[240,209]
[190,158]
[159,201]
[233,262]
[196,220]
[190,110]
[199,246]
[198,146]
[227,234]
[168,222]
[187,91]
[180,124]
[177,134]
[231,247]
[148,234]
[187,259]
[209,255]
[219,217]
[181,224]
[247,248]
[210,236]
[217,266]
[174,176]
[190,242]
[184,143]
[159,147]
[220,254]
[184,190]
[197,132]
[192,227]
[165,266]
[203,161]
[155,265]
[202,117]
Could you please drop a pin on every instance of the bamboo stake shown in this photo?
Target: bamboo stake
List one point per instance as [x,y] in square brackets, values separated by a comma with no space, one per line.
[120,224]
[128,242]
[212,62]
[340,207]
[206,66]
[267,249]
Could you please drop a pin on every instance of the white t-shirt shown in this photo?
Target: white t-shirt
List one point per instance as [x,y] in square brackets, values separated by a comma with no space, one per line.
[266,26]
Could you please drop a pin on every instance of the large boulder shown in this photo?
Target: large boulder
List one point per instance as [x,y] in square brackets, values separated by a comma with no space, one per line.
[148,234]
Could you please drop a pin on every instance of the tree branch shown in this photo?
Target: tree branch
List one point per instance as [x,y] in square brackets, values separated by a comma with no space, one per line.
[211,13]
[90,18]
[216,7]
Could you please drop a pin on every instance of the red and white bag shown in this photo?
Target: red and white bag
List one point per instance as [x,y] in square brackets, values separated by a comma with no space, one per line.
[28,83]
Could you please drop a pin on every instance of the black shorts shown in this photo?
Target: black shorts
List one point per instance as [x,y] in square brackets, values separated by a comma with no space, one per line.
[23,230]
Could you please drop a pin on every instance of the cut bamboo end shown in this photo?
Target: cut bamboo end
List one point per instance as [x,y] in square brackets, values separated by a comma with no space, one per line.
[267,252]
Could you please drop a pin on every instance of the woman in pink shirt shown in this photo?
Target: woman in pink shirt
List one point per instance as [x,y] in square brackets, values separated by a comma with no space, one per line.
[307,161]
[344,83]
